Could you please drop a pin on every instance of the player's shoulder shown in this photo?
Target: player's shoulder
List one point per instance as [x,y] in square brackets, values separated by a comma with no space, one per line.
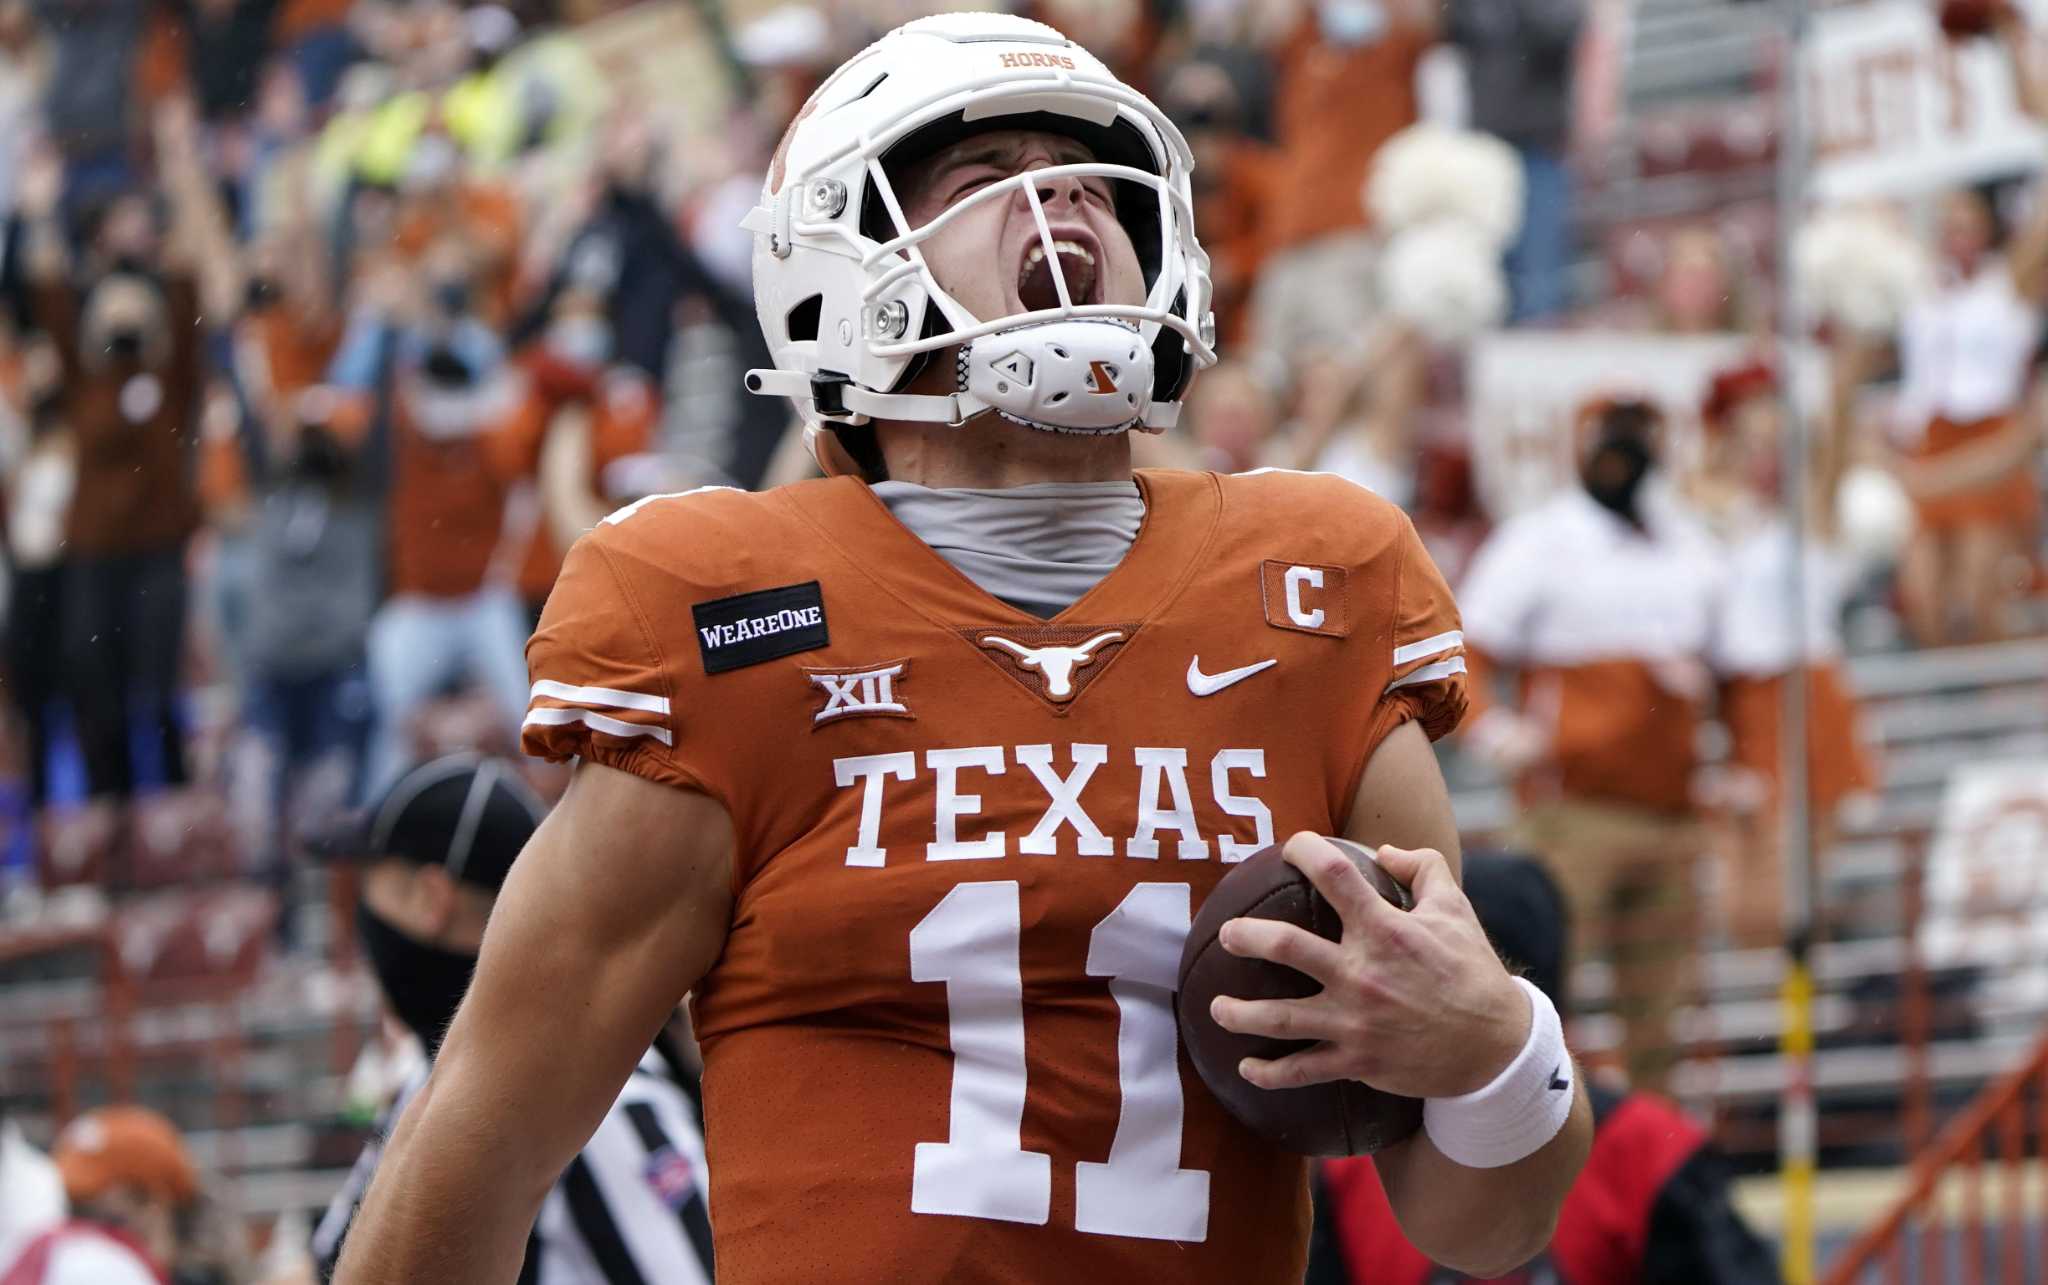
[654,519]
[709,537]
[1322,514]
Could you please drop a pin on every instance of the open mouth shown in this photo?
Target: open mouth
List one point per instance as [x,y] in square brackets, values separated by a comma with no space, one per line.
[1035,288]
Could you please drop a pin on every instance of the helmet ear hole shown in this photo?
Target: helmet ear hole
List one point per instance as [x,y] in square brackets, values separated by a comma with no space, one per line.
[801,322]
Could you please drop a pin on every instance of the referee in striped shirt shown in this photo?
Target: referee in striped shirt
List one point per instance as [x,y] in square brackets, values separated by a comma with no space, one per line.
[433,852]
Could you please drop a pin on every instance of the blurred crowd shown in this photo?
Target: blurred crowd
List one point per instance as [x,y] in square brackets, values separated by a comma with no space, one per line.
[328,324]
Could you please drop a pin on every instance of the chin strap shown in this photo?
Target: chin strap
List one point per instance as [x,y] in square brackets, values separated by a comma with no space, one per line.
[844,402]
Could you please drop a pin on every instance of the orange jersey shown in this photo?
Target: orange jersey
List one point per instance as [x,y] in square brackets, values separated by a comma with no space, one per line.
[940,1042]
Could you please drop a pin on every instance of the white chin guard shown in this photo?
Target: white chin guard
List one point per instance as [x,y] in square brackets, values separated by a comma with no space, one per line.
[1090,375]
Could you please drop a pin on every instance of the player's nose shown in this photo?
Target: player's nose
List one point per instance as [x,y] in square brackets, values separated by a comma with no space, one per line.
[1055,190]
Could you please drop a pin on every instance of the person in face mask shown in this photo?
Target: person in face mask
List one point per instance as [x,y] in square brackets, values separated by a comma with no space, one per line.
[432,855]
[430,858]
[1588,619]
[1618,458]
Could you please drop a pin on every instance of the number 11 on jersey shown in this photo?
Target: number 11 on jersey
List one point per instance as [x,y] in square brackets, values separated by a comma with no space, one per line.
[970,941]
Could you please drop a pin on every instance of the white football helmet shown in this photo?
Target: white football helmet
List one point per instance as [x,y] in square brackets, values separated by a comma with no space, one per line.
[851,310]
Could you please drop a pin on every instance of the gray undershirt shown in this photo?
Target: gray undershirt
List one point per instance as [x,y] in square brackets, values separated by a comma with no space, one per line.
[1037,547]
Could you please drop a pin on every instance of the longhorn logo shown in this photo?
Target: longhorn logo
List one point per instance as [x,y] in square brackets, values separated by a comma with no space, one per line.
[1101,377]
[1055,664]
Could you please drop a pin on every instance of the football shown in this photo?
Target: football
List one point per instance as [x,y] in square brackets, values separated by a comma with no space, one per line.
[1336,1119]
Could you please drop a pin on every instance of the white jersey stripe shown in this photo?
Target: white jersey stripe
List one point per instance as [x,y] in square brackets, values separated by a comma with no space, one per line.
[611,696]
[1430,673]
[1429,646]
[596,722]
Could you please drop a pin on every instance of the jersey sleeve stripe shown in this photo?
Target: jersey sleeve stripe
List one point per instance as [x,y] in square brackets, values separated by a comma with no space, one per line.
[612,696]
[1429,646]
[1430,673]
[596,722]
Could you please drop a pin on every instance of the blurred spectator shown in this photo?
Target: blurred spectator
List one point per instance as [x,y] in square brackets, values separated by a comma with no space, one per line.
[1654,1205]
[1318,285]
[127,333]
[584,416]
[1759,640]
[627,247]
[41,470]
[133,1189]
[441,199]
[457,108]
[226,44]
[1362,54]
[439,373]
[1697,291]
[21,91]
[1356,407]
[1966,354]
[622,242]
[31,1192]
[315,36]
[1598,606]
[434,853]
[87,109]
[1519,56]
[316,535]
[1446,508]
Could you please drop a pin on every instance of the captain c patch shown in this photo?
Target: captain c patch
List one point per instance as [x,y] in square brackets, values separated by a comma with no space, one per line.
[1306,597]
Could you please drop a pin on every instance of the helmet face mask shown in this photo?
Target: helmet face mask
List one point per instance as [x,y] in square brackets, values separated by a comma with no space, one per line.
[846,284]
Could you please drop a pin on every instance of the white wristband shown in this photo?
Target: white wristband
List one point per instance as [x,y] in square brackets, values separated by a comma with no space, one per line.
[1521,1110]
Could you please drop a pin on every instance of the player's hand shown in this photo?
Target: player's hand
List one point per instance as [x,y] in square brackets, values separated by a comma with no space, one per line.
[1414,1003]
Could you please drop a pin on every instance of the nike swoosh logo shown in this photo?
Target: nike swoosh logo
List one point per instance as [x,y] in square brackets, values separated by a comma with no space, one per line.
[1202,684]
[1557,1081]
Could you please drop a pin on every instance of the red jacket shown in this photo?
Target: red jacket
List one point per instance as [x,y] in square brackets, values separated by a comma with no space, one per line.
[1651,1208]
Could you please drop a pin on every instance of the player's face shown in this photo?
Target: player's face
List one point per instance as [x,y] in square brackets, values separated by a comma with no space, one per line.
[991,258]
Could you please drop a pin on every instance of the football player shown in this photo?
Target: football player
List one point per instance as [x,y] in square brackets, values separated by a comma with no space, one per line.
[913,776]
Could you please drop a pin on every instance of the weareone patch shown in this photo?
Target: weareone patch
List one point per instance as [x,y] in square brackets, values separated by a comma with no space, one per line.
[750,628]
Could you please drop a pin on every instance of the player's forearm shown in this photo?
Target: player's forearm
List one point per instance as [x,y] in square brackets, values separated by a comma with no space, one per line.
[441,1172]
[1484,1222]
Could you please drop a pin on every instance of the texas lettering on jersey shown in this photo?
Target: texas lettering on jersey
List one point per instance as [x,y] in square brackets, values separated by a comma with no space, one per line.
[940,1041]
[1163,803]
